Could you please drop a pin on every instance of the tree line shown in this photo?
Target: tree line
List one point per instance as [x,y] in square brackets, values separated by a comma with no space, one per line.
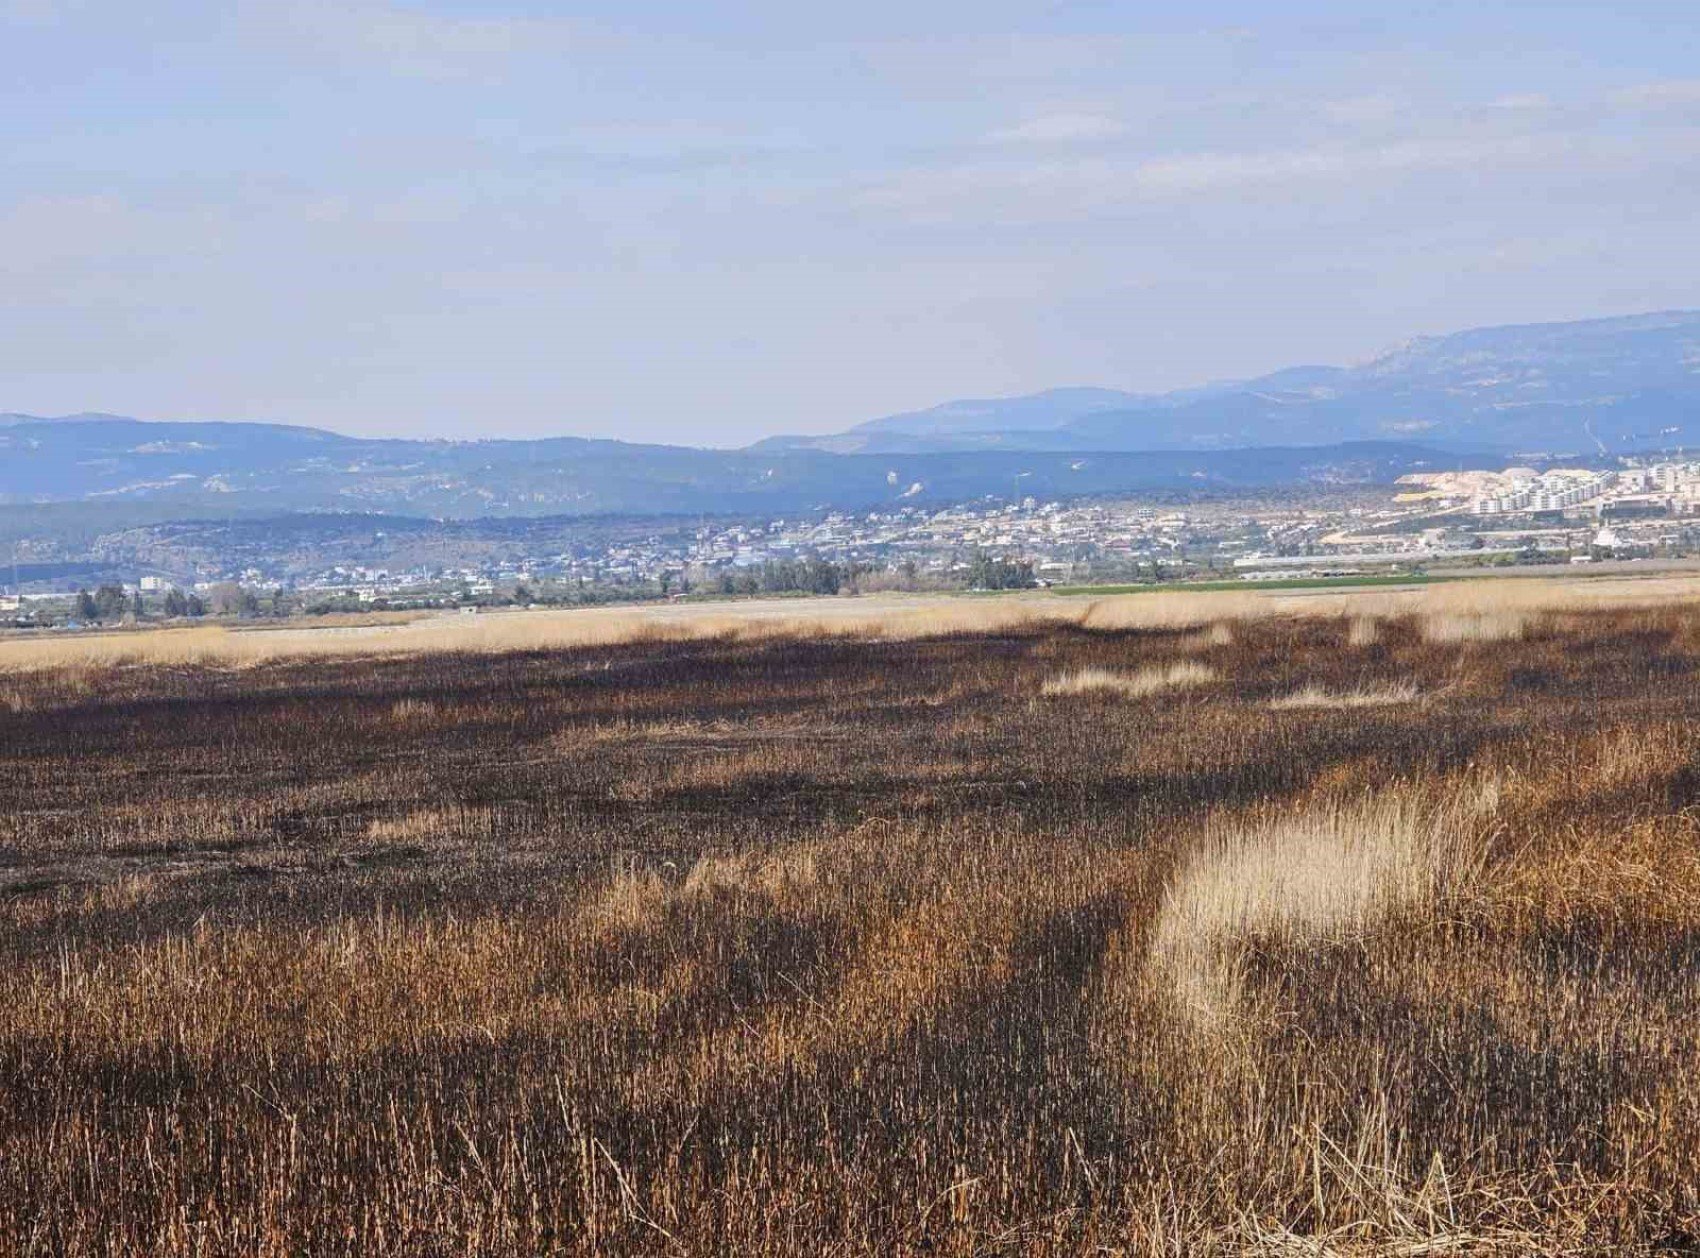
[110,603]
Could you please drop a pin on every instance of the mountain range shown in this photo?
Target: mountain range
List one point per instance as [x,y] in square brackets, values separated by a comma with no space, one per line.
[201,470]
[1595,387]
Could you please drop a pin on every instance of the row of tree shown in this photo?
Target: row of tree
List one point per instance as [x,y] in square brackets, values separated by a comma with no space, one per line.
[789,576]
[993,572]
[820,576]
[110,603]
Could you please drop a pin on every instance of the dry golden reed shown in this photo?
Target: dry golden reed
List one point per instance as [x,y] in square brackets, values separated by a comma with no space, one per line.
[785,939]
[1220,634]
[1479,610]
[1181,675]
[1327,873]
[1371,696]
[1475,626]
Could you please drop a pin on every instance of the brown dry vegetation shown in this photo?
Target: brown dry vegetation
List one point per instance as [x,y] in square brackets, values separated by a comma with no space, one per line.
[1097,680]
[1312,695]
[1478,610]
[765,944]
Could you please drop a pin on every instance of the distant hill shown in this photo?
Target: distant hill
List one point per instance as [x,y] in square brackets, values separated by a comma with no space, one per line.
[1577,388]
[1600,385]
[211,469]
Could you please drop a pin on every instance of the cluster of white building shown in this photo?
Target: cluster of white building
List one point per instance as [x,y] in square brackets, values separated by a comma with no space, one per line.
[1672,487]
[1680,479]
[1524,489]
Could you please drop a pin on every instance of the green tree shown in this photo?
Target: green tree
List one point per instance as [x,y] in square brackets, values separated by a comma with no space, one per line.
[110,602]
[230,599]
[988,573]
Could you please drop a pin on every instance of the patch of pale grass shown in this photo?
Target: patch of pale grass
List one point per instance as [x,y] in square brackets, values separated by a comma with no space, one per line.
[432,825]
[1331,872]
[1638,754]
[633,898]
[784,875]
[630,899]
[1219,634]
[1177,609]
[1491,626]
[1627,757]
[205,644]
[1314,696]
[1095,680]
[411,711]
[1479,606]
[127,892]
[1363,631]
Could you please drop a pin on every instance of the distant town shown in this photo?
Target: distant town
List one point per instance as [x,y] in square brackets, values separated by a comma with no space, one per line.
[1428,521]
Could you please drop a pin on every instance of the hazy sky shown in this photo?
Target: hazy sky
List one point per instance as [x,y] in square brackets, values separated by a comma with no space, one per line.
[705,222]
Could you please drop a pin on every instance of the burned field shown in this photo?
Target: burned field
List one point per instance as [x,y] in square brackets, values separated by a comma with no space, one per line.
[1319,934]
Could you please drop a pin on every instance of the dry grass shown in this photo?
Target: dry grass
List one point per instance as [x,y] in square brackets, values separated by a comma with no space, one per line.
[440,825]
[1363,631]
[1219,634]
[413,711]
[1475,626]
[1373,696]
[1330,873]
[1481,610]
[1092,680]
[780,943]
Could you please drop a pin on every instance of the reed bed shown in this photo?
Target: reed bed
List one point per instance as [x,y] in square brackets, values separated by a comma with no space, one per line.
[1376,696]
[758,940]
[1363,631]
[1093,680]
[1330,873]
[1486,609]
[1496,626]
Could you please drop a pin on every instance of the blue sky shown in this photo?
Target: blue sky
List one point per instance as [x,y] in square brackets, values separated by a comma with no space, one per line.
[707,223]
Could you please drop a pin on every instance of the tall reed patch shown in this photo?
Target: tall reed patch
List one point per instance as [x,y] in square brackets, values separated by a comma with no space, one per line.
[1466,610]
[1220,634]
[1492,626]
[1329,872]
[773,940]
[1093,680]
[1380,695]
